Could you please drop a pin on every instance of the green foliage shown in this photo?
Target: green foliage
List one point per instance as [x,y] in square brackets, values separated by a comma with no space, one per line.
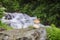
[2,10]
[11,5]
[53,33]
[2,25]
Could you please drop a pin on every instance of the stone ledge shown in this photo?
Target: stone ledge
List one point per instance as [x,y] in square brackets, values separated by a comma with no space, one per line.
[24,34]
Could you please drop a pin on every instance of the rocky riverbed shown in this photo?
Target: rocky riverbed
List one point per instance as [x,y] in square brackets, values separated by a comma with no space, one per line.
[24,34]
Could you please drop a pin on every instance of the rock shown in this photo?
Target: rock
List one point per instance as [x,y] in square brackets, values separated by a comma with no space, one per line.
[2,29]
[5,37]
[24,34]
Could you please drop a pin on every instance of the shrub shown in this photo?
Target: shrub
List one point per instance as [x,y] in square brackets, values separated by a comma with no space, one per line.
[2,10]
[53,33]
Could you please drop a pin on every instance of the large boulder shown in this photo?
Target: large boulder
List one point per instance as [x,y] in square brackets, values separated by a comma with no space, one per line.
[24,34]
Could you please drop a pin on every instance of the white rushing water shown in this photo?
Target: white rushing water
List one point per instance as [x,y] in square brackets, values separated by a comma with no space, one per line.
[18,20]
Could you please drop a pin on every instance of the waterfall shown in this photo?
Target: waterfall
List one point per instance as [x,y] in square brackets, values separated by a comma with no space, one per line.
[17,20]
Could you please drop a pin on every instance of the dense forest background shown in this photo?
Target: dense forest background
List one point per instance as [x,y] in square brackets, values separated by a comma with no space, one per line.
[47,10]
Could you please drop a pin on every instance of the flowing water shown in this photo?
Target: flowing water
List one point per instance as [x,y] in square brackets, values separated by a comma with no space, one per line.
[18,20]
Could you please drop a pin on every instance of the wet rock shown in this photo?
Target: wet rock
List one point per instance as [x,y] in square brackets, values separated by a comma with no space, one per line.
[2,29]
[24,34]
[5,37]
[24,38]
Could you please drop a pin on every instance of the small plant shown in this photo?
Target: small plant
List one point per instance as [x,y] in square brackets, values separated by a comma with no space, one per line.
[2,25]
[53,33]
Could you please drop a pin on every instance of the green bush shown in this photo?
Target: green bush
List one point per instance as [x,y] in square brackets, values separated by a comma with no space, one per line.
[53,33]
[2,10]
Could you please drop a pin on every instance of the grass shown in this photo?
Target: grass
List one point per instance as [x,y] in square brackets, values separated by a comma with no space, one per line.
[2,25]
